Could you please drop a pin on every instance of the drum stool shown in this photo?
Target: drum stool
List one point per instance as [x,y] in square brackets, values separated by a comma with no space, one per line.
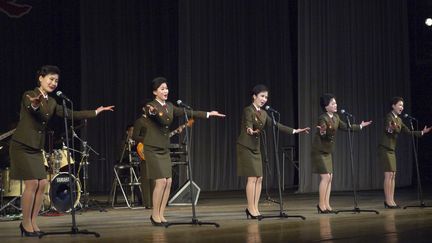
[122,181]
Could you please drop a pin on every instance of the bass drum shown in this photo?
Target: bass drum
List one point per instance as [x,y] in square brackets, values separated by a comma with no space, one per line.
[60,192]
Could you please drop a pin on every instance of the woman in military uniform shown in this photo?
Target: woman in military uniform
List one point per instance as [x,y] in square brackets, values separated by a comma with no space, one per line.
[386,149]
[147,185]
[249,161]
[322,147]
[160,114]
[27,143]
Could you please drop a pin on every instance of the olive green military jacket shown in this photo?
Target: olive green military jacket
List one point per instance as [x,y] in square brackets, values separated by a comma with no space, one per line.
[390,135]
[325,142]
[33,123]
[140,128]
[157,132]
[254,119]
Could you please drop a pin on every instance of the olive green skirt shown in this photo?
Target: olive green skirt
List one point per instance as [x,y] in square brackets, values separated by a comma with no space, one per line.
[26,163]
[322,163]
[158,162]
[388,159]
[249,162]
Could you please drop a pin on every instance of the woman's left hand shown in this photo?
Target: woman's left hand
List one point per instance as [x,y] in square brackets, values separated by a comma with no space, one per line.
[104,108]
[365,124]
[426,129]
[215,113]
[300,130]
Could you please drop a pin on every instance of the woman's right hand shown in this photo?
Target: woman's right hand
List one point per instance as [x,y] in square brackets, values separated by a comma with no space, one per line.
[250,131]
[35,101]
[152,110]
[322,129]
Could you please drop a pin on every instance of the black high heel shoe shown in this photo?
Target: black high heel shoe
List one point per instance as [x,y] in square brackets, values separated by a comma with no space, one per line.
[164,223]
[321,211]
[390,206]
[248,214]
[154,223]
[26,233]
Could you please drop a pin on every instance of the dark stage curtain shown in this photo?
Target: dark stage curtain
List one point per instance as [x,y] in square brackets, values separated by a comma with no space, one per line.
[124,45]
[45,32]
[213,53]
[359,51]
[225,48]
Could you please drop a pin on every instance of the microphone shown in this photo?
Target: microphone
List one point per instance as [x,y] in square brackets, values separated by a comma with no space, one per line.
[61,95]
[182,104]
[409,117]
[343,112]
[268,108]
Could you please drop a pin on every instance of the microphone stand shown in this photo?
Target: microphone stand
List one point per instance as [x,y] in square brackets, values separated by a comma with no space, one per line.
[74,229]
[419,185]
[267,168]
[194,220]
[281,214]
[356,208]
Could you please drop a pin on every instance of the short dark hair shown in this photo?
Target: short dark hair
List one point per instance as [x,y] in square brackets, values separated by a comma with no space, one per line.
[157,82]
[129,126]
[395,100]
[259,88]
[45,70]
[48,69]
[325,100]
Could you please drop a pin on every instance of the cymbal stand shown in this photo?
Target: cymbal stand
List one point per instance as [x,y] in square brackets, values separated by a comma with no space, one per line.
[86,203]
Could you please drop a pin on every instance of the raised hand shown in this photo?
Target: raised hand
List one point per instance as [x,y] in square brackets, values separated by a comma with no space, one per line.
[322,128]
[35,101]
[365,124]
[250,131]
[104,108]
[426,129]
[392,125]
[151,109]
[305,130]
[215,113]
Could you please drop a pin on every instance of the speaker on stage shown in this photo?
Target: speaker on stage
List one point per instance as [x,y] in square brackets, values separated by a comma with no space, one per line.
[182,197]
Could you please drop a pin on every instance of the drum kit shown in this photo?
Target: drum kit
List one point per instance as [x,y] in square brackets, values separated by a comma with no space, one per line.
[57,192]
[57,196]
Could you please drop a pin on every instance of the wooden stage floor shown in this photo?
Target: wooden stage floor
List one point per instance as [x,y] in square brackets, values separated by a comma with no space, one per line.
[227,209]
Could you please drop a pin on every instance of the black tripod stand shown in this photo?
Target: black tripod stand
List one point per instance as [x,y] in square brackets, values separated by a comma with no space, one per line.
[419,185]
[87,203]
[267,168]
[281,214]
[194,220]
[356,208]
[74,229]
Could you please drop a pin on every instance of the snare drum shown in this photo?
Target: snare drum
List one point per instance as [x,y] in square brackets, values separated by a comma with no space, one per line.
[59,192]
